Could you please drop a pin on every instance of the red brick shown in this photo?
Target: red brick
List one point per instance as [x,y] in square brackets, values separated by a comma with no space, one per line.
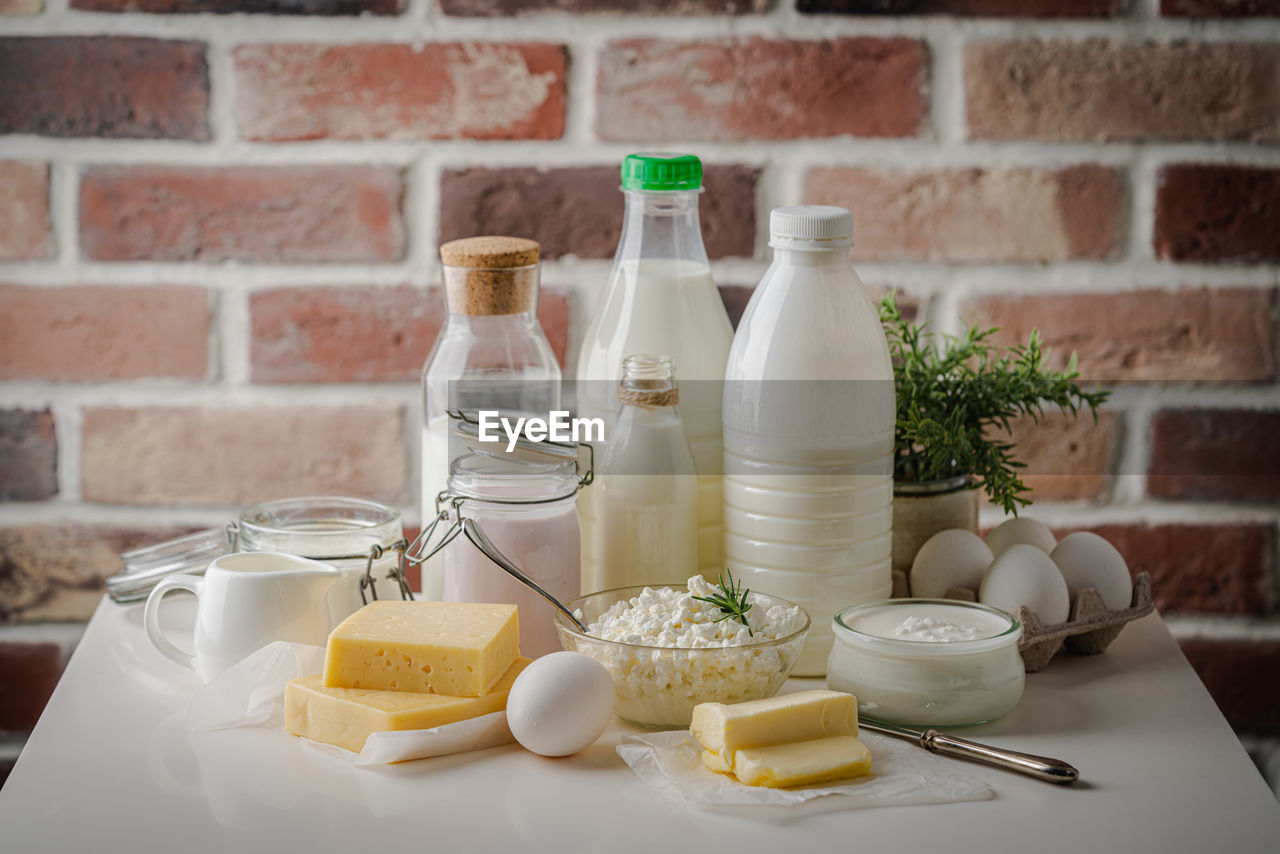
[55,571]
[1226,568]
[984,8]
[755,88]
[1220,8]
[397,91]
[1240,675]
[1227,454]
[1206,212]
[578,211]
[496,8]
[125,87]
[249,7]
[239,455]
[28,455]
[103,333]
[1067,459]
[555,313]
[362,334]
[19,7]
[242,213]
[1191,334]
[1109,90]
[735,299]
[975,214]
[25,232]
[28,674]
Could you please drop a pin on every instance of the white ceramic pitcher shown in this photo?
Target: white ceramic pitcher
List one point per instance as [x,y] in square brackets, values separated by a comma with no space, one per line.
[246,601]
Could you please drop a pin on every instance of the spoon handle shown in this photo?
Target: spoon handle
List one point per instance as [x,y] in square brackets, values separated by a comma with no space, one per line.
[1040,767]
[476,536]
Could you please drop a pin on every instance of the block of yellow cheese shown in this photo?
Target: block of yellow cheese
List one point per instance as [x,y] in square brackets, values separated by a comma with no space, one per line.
[801,763]
[726,729]
[347,716]
[457,648]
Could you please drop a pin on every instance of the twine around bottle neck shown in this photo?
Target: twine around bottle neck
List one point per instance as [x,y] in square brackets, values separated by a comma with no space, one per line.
[648,398]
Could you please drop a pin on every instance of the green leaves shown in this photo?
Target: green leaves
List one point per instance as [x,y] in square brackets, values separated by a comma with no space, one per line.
[731,599]
[957,394]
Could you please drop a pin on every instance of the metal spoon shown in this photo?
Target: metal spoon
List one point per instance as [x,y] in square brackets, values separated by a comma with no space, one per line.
[475,535]
[1040,767]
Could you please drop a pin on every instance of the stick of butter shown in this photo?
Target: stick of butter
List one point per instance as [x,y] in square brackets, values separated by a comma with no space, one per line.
[457,648]
[715,763]
[724,730]
[803,762]
[347,716]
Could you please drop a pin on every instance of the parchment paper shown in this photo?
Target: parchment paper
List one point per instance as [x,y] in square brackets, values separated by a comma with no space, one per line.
[251,693]
[901,774]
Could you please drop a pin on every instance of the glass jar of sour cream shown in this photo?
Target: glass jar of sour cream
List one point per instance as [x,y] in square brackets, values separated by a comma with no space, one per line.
[927,662]
[528,511]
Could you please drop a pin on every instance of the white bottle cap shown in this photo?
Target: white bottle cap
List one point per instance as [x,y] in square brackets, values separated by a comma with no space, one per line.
[810,227]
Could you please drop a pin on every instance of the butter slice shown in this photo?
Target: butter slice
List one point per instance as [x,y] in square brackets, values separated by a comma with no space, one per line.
[348,716]
[715,763]
[457,648]
[801,763]
[725,730]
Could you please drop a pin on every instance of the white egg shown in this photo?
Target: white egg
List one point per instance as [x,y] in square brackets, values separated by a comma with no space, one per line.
[951,558]
[1024,575]
[1020,529]
[560,703]
[1087,560]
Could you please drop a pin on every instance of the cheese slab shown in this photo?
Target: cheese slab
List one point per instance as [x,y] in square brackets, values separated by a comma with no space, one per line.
[726,729]
[800,763]
[460,649]
[346,717]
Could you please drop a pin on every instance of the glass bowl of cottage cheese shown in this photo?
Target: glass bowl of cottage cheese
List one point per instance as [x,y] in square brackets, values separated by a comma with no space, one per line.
[668,651]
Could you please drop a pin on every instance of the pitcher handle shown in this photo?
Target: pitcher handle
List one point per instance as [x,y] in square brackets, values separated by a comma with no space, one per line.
[151,617]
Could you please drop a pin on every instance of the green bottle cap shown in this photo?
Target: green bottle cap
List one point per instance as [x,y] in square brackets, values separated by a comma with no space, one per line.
[661,172]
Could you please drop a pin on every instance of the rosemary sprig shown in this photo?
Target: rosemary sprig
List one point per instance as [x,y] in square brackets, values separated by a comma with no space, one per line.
[957,399]
[730,599]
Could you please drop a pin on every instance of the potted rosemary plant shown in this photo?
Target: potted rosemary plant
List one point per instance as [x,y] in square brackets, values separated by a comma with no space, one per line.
[956,399]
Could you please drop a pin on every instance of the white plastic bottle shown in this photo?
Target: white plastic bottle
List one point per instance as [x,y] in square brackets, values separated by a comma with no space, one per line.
[647,483]
[808,430]
[661,299]
[490,354]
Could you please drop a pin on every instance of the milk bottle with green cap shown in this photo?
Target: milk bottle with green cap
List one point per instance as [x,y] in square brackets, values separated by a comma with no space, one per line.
[808,430]
[660,299]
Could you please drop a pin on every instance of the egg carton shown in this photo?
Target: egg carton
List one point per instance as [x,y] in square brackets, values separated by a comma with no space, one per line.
[1090,627]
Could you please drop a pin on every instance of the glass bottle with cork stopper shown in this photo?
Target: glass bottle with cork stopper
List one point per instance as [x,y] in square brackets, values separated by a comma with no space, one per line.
[490,354]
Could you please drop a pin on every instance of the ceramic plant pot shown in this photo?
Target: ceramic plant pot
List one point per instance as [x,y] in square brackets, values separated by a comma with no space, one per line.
[922,509]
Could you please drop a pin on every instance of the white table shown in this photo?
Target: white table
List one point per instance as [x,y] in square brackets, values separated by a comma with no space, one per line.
[110,768]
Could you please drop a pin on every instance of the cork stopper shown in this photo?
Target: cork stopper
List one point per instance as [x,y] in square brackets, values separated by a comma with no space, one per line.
[490,252]
[491,275]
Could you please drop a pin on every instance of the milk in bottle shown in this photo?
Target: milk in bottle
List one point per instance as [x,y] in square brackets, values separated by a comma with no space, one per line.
[647,483]
[660,299]
[808,430]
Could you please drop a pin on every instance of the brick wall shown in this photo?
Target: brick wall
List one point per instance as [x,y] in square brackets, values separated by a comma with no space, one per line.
[218,223]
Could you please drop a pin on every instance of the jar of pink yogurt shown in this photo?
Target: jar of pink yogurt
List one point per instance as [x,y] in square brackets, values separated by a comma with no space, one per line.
[528,511]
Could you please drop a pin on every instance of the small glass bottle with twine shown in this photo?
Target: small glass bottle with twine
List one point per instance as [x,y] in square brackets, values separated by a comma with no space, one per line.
[648,483]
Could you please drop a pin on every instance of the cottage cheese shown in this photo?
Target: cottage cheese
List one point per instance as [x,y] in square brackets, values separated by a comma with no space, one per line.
[683,653]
